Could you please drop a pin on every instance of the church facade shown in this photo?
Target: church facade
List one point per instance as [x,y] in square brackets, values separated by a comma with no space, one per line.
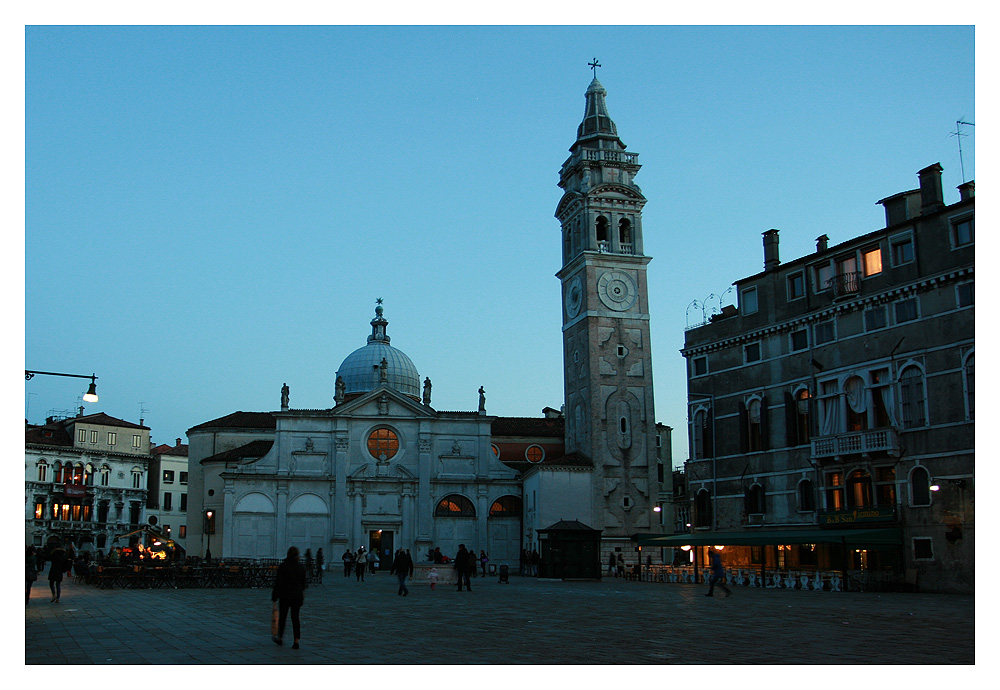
[382,469]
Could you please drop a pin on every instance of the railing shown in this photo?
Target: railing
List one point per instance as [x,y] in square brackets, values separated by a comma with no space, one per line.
[855,442]
[806,580]
[847,283]
[611,156]
[229,573]
[604,247]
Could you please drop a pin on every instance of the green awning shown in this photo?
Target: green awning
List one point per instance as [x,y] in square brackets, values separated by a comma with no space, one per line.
[885,537]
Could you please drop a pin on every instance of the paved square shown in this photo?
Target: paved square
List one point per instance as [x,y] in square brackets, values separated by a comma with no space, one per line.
[527,621]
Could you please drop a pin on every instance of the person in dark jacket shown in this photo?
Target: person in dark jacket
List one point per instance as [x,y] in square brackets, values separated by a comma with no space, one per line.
[465,564]
[718,572]
[58,565]
[289,592]
[402,566]
[30,571]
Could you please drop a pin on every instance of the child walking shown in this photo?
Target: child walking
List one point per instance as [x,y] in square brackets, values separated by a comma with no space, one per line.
[432,576]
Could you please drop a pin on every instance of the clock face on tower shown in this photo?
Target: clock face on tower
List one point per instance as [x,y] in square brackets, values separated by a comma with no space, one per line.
[574,297]
[617,290]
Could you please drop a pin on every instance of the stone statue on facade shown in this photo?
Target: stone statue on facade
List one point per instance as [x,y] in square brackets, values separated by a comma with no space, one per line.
[482,400]
[339,388]
[284,396]
[427,391]
[383,371]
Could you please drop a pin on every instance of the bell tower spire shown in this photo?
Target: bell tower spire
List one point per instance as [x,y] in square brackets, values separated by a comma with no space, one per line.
[608,376]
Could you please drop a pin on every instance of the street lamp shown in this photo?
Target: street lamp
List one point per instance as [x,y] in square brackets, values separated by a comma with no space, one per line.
[91,394]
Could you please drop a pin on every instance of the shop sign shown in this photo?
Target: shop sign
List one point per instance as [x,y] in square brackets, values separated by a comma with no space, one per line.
[74,491]
[850,517]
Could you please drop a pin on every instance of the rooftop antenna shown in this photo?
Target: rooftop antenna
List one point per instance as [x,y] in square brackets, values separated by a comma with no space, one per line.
[142,413]
[958,133]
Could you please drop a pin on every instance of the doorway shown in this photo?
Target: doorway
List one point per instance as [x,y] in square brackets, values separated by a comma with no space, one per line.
[380,542]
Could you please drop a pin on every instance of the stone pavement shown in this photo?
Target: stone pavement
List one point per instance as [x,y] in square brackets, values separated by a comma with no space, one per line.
[527,621]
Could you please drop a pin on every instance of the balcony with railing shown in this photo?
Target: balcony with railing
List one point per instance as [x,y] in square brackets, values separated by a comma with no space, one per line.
[605,247]
[842,284]
[884,440]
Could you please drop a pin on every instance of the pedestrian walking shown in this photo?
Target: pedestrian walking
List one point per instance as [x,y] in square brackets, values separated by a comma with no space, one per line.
[534,562]
[611,564]
[402,566]
[432,577]
[289,595]
[59,564]
[348,559]
[524,561]
[464,564]
[621,566]
[718,572]
[373,561]
[483,560]
[308,562]
[360,565]
[30,572]
[320,565]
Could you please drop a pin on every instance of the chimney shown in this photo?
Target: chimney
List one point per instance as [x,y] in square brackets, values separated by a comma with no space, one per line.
[771,261]
[178,444]
[931,196]
[821,243]
[967,190]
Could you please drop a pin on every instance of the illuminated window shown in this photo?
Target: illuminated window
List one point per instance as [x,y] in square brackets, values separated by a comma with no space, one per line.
[112,438]
[534,454]
[859,489]
[136,441]
[93,436]
[455,506]
[834,491]
[506,506]
[873,261]
[383,444]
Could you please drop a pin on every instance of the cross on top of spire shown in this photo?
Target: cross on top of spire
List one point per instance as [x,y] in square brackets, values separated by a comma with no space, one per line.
[593,66]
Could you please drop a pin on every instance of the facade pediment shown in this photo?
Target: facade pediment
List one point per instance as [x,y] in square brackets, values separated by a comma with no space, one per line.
[383,402]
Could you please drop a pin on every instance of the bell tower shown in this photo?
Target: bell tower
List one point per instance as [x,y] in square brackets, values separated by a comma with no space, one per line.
[607,367]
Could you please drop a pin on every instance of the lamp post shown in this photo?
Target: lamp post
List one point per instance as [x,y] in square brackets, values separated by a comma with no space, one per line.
[89,396]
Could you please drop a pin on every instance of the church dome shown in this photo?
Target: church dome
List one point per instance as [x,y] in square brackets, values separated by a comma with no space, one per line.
[362,371]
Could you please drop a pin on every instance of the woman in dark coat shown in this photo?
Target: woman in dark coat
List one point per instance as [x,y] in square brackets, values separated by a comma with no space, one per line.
[59,565]
[289,592]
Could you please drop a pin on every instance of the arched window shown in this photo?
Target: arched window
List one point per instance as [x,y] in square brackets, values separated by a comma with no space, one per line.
[88,475]
[807,496]
[754,430]
[43,471]
[703,508]
[755,500]
[859,489]
[602,234]
[920,487]
[383,443]
[625,236]
[911,389]
[802,416]
[455,505]
[57,473]
[857,409]
[105,475]
[506,506]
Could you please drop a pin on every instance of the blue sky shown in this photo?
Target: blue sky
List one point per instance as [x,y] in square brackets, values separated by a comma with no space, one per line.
[211,212]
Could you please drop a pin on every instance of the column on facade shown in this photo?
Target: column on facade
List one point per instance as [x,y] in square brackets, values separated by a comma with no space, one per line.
[424,502]
[341,506]
[228,526]
[281,517]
